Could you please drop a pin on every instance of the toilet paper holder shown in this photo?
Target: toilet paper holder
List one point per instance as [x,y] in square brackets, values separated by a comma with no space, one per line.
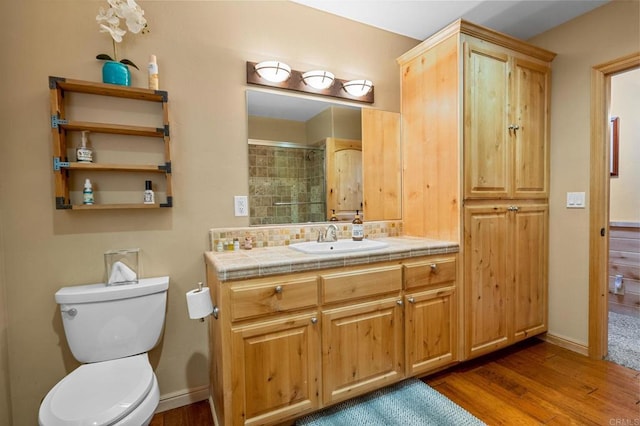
[214,308]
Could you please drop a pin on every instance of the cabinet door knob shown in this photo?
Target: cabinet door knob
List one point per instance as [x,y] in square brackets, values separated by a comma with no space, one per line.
[433,267]
[279,289]
[399,302]
[314,320]
[513,127]
[411,300]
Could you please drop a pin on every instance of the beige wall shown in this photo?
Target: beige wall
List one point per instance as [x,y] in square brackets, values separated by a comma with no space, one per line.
[606,33]
[201,47]
[5,390]
[624,204]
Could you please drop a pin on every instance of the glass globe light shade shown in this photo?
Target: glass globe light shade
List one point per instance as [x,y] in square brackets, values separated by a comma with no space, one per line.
[318,79]
[358,87]
[273,71]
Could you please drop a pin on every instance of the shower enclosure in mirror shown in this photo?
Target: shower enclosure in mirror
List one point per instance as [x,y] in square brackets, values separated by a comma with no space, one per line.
[304,159]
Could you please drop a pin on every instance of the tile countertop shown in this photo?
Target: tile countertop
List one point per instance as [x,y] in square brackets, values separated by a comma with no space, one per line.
[262,262]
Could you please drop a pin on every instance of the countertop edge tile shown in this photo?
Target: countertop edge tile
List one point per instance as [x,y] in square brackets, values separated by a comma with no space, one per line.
[269,261]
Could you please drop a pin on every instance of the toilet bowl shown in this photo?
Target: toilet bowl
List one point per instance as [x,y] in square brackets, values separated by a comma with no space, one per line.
[110,329]
[119,392]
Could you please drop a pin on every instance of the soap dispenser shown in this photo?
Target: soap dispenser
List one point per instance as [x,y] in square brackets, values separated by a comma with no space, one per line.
[84,154]
[357,228]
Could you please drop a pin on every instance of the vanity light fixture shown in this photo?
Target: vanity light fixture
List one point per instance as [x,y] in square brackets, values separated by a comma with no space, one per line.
[273,71]
[278,75]
[358,87]
[318,79]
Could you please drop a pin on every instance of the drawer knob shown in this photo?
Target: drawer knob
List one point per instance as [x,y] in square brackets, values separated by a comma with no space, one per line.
[279,289]
[433,267]
[314,320]
[411,300]
[399,302]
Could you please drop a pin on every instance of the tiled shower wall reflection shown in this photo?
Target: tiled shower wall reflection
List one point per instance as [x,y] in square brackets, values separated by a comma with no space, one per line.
[286,185]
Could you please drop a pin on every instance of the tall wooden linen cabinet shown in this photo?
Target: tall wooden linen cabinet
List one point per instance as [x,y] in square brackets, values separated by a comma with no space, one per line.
[475,140]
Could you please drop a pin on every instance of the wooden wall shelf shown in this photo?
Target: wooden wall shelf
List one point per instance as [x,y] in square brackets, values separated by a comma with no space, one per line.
[63,167]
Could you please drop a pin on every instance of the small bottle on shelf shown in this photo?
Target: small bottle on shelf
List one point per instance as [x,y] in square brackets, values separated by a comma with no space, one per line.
[149,197]
[153,73]
[87,193]
[84,154]
[357,228]
[333,216]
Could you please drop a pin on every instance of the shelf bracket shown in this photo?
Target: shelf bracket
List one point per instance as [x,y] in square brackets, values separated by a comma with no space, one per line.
[61,205]
[55,121]
[57,164]
[169,202]
[166,167]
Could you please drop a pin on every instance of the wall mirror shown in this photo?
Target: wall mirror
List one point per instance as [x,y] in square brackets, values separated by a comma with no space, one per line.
[305,159]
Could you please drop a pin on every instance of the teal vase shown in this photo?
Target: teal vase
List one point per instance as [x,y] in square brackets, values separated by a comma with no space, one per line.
[116,73]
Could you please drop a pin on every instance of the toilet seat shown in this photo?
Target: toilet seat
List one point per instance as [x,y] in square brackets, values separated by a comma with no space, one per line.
[99,394]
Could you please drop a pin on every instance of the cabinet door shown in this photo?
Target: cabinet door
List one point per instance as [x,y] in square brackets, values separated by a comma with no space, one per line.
[531,136]
[486,275]
[344,176]
[486,99]
[430,329]
[361,348]
[276,369]
[530,230]
[382,164]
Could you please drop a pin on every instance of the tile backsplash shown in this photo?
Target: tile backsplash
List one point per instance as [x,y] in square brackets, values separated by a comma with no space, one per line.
[283,235]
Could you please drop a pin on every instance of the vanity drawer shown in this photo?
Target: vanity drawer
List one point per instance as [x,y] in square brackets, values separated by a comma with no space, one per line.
[429,272]
[267,297]
[341,286]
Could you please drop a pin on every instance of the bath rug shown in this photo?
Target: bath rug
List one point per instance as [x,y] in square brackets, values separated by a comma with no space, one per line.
[408,403]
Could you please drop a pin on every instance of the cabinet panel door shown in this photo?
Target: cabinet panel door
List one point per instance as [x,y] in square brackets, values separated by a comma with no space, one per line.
[486,273]
[276,371]
[361,348]
[343,163]
[381,159]
[530,224]
[531,101]
[486,149]
[430,329]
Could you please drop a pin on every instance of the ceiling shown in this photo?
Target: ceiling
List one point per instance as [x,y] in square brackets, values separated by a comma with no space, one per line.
[421,18]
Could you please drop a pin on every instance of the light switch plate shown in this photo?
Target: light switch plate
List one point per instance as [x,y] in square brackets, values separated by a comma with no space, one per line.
[241,205]
[575,200]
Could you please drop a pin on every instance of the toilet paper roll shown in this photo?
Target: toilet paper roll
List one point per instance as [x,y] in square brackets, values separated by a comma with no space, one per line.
[199,303]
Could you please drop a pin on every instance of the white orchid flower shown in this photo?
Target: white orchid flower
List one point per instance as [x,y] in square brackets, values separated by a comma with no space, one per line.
[116,32]
[109,22]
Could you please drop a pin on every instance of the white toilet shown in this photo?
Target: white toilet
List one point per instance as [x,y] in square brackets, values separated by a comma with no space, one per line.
[109,329]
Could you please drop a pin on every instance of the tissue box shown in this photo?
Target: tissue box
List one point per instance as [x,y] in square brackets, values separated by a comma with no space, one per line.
[122,266]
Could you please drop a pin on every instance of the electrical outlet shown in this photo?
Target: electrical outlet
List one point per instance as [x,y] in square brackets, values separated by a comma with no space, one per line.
[241,205]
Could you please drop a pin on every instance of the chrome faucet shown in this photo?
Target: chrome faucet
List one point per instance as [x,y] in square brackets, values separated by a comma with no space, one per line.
[329,235]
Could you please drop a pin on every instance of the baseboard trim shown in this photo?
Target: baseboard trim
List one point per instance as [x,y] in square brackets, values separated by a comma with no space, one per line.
[565,343]
[182,398]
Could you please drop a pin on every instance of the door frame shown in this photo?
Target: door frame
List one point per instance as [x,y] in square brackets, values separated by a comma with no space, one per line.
[599,205]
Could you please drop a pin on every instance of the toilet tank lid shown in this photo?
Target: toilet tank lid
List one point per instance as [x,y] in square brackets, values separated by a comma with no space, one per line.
[102,293]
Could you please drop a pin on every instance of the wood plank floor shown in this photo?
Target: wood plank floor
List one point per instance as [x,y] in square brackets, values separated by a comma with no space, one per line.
[533,382]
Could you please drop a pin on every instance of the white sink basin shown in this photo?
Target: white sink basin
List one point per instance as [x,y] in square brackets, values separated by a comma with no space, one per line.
[340,246]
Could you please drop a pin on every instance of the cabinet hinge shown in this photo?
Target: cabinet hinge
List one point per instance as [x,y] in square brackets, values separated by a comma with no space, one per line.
[165,130]
[166,167]
[55,121]
[169,202]
[61,205]
[58,164]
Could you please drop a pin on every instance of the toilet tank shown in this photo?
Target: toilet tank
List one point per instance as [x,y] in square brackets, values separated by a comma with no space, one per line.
[109,322]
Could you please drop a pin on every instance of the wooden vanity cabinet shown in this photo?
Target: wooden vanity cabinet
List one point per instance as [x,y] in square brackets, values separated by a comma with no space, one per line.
[285,346]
